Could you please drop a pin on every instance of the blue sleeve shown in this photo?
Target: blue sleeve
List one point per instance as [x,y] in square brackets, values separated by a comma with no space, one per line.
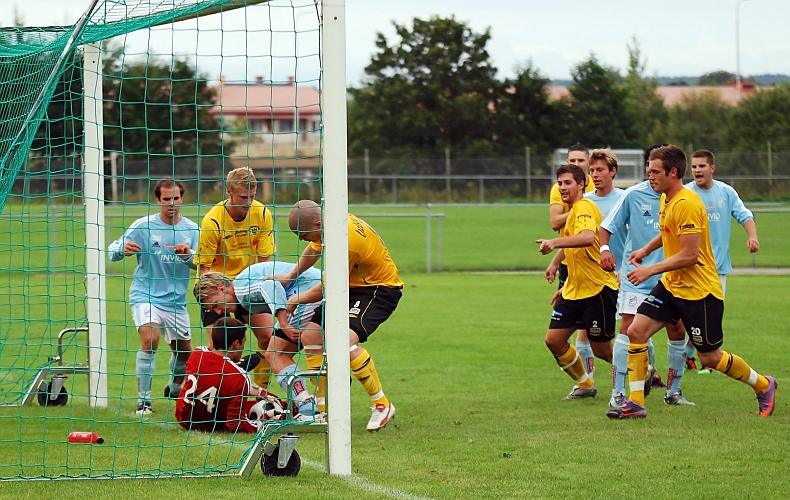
[261,296]
[116,247]
[193,243]
[617,219]
[737,208]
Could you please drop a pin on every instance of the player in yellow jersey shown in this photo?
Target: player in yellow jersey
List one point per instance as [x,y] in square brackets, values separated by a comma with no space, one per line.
[690,289]
[234,234]
[588,299]
[578,155]
[374,292]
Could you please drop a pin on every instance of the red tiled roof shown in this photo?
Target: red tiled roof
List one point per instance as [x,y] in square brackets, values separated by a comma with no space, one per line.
[265,101]
[672,95]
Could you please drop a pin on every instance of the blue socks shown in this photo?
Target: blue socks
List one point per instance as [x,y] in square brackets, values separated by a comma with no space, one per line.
[651,353]
[178,368]
[144,368]
[676,356]
[619,363]
[588,359]
[298,393]
[690,349]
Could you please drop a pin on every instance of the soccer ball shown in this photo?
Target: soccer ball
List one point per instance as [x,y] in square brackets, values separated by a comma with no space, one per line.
[268,408]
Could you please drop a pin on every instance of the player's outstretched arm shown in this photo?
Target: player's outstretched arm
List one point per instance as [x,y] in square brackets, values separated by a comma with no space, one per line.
[608,261]
[557,216]
[753,244]
[309,296]
[186,254]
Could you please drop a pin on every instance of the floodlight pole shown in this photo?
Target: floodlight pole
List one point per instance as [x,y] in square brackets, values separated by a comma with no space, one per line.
[93,189]
[335,226]
[738,47]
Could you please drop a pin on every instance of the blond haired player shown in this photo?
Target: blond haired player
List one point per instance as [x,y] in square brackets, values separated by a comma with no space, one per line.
[374,292]
[236,233]
[588,300]
[690,289]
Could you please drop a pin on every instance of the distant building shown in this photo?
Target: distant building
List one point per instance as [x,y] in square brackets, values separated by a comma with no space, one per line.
[674,94]
[275,126]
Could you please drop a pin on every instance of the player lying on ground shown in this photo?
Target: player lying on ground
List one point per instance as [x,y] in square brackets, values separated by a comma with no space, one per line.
[588,299]
[689,290]
[217,394]
[163,245]
[265,300]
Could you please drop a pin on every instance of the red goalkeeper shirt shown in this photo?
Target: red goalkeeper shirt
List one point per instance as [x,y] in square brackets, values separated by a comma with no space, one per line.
[215,394]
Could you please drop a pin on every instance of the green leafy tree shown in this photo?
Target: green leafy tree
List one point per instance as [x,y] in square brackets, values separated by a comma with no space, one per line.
[525,115]
[763,116]
[598,116]
[644,106]
[699,119]
[716,78]
[152,107]
[428,89]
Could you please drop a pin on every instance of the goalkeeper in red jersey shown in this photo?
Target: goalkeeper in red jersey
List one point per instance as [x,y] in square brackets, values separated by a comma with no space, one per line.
[217,393]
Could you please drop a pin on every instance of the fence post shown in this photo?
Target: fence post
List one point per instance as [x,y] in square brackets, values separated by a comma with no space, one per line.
[448,184]
[481,187]
[440,230]
[394,189]
[428,239]
[114,173]
[367,175]
[770,173]
[529,174]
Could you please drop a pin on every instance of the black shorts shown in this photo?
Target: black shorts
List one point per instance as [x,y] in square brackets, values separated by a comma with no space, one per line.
[596,314]
[563,275]
[701,318]
[368,307]
[209,317]
[316,317]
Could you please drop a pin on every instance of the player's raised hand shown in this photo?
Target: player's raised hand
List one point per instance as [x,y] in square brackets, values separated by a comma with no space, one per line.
[546,246]
[753,245]
[131,248]
[182,249]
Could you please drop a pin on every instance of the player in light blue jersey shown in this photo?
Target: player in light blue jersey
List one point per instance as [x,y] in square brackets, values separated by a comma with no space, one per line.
[603,169]
[164,245]
[265,300]
[722,203]
[636,216]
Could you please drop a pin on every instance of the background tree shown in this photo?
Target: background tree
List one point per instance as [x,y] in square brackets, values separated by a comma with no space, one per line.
[429,89]
[597,113]
[698,119]
[524,114]
[716,78]
[644,106]
[763,116]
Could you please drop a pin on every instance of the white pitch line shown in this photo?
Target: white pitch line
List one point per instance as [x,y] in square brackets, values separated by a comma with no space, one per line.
[363,484]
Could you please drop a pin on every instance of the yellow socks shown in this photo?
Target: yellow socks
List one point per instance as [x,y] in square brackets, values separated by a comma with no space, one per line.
[314,363]
[261,373]
[364,369]
[572,364]
[735,367]
[637,371]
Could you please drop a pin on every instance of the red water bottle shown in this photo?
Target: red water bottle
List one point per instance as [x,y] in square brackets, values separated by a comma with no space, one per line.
[85,437]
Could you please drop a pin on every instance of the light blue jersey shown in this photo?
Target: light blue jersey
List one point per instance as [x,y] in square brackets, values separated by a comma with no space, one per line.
[722,202]
[258,296]
[605,205]
[161,277]
[636,214]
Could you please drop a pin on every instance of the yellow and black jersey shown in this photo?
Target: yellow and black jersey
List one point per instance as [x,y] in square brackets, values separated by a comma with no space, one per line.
[585,276]
[369,261]
[228,246]
[686,214]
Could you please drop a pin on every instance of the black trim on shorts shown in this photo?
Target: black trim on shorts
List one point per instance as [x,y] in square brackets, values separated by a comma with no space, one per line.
[281,335]
[369,307]
[702,318]
[563,275]
[596,314]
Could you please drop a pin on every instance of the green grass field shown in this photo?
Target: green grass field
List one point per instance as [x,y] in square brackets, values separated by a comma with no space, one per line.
[479,397]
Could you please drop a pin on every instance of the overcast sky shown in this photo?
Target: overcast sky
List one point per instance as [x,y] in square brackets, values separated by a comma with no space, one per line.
[677,37]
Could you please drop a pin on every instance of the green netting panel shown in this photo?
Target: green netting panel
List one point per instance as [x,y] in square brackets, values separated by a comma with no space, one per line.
[191,90]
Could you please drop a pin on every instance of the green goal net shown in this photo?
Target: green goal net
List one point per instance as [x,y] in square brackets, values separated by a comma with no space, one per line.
[92,116]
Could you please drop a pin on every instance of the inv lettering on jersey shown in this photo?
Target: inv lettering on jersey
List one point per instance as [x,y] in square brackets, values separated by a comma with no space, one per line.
[714,217]
[167,257]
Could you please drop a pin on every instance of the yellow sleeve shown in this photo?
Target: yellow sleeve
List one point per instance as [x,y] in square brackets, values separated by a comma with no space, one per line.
[586,217]
[555,198]
[689,217]
[590,186]
[266,241]
[208,247]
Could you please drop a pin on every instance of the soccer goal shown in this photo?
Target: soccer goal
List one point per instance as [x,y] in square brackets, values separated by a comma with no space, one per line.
[92,116]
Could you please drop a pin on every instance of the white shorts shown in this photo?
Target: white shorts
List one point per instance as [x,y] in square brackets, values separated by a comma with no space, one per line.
[723,278]
[172,324]
[628,302]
